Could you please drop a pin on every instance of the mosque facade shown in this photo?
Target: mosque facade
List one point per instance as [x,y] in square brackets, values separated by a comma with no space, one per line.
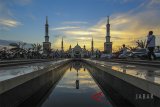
[78,52]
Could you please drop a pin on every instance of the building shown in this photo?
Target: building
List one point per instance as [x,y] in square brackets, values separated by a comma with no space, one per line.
[78,52]
[108,43]
[46,44]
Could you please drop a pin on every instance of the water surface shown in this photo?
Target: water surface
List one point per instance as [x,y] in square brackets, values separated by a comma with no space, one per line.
[76,89]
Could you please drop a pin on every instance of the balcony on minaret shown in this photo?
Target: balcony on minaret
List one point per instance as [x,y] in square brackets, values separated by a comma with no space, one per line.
[46,38]
[108,39]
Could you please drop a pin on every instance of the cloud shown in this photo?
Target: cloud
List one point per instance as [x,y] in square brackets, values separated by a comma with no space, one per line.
[22,2]
[9,23]
[120,1]
[126,27]
[75,22]
[77,32]
[4,10]
[130,26]
[154,2]
[7,17]
[65,28]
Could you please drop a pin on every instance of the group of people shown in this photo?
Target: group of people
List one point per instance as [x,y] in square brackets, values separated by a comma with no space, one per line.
[19,54]
[150,45]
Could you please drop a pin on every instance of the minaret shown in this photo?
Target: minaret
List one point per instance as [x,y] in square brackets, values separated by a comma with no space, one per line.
[92,46]
[70,47]
[108,31]
[108,43]
[84,47]
[46,43]
[62,48]
[46,30]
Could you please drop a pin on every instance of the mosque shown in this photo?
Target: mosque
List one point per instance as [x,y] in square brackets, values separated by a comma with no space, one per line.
[77,51]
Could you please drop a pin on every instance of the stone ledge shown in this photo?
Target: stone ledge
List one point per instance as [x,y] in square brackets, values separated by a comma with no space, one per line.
[13,82]
[145,85]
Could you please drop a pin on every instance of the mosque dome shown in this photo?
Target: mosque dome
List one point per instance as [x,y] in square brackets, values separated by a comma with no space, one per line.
[77,48]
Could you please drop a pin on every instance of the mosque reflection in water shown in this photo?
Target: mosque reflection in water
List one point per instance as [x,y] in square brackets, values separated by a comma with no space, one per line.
[77,66]
[76,88]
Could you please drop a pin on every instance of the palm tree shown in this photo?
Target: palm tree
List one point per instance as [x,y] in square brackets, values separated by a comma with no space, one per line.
[18,48]
[158,48]
[132,48]
[37,48]
[18,45]
[141,43]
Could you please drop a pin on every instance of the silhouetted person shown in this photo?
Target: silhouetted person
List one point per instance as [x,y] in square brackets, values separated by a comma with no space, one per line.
[123,51]
[151,45]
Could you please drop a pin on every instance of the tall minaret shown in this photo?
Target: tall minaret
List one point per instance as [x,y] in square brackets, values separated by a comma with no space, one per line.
[46,30]
[108,31]
[46,43]
[108,43]
[84,47]
[62,48]
[70,47]
[92,46]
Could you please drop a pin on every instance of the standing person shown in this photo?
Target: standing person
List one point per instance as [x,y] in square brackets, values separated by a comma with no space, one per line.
[124,51]
[151,45]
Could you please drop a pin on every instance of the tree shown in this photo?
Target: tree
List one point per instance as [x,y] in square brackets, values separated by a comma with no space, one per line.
[132,48]
[18,45]
[18,49]
[141,43]
[37,48]
[158,48]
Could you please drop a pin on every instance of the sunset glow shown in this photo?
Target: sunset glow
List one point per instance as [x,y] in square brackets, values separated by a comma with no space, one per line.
[79,21]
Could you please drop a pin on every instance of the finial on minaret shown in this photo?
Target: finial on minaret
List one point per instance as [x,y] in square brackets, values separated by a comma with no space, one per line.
[107,28]
[46,30]
[46,19]
[108,20]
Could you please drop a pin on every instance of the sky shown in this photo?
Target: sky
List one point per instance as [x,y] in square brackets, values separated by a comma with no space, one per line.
[79,21]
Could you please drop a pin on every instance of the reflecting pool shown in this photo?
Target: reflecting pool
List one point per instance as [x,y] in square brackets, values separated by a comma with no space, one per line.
[77,88]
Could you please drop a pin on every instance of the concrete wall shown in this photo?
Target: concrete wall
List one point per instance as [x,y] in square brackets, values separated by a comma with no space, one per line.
[29,85]
[120,92]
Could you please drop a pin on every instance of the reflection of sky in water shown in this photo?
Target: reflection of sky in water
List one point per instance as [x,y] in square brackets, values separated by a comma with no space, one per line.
[14,71]
[65,93]
[144,72]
